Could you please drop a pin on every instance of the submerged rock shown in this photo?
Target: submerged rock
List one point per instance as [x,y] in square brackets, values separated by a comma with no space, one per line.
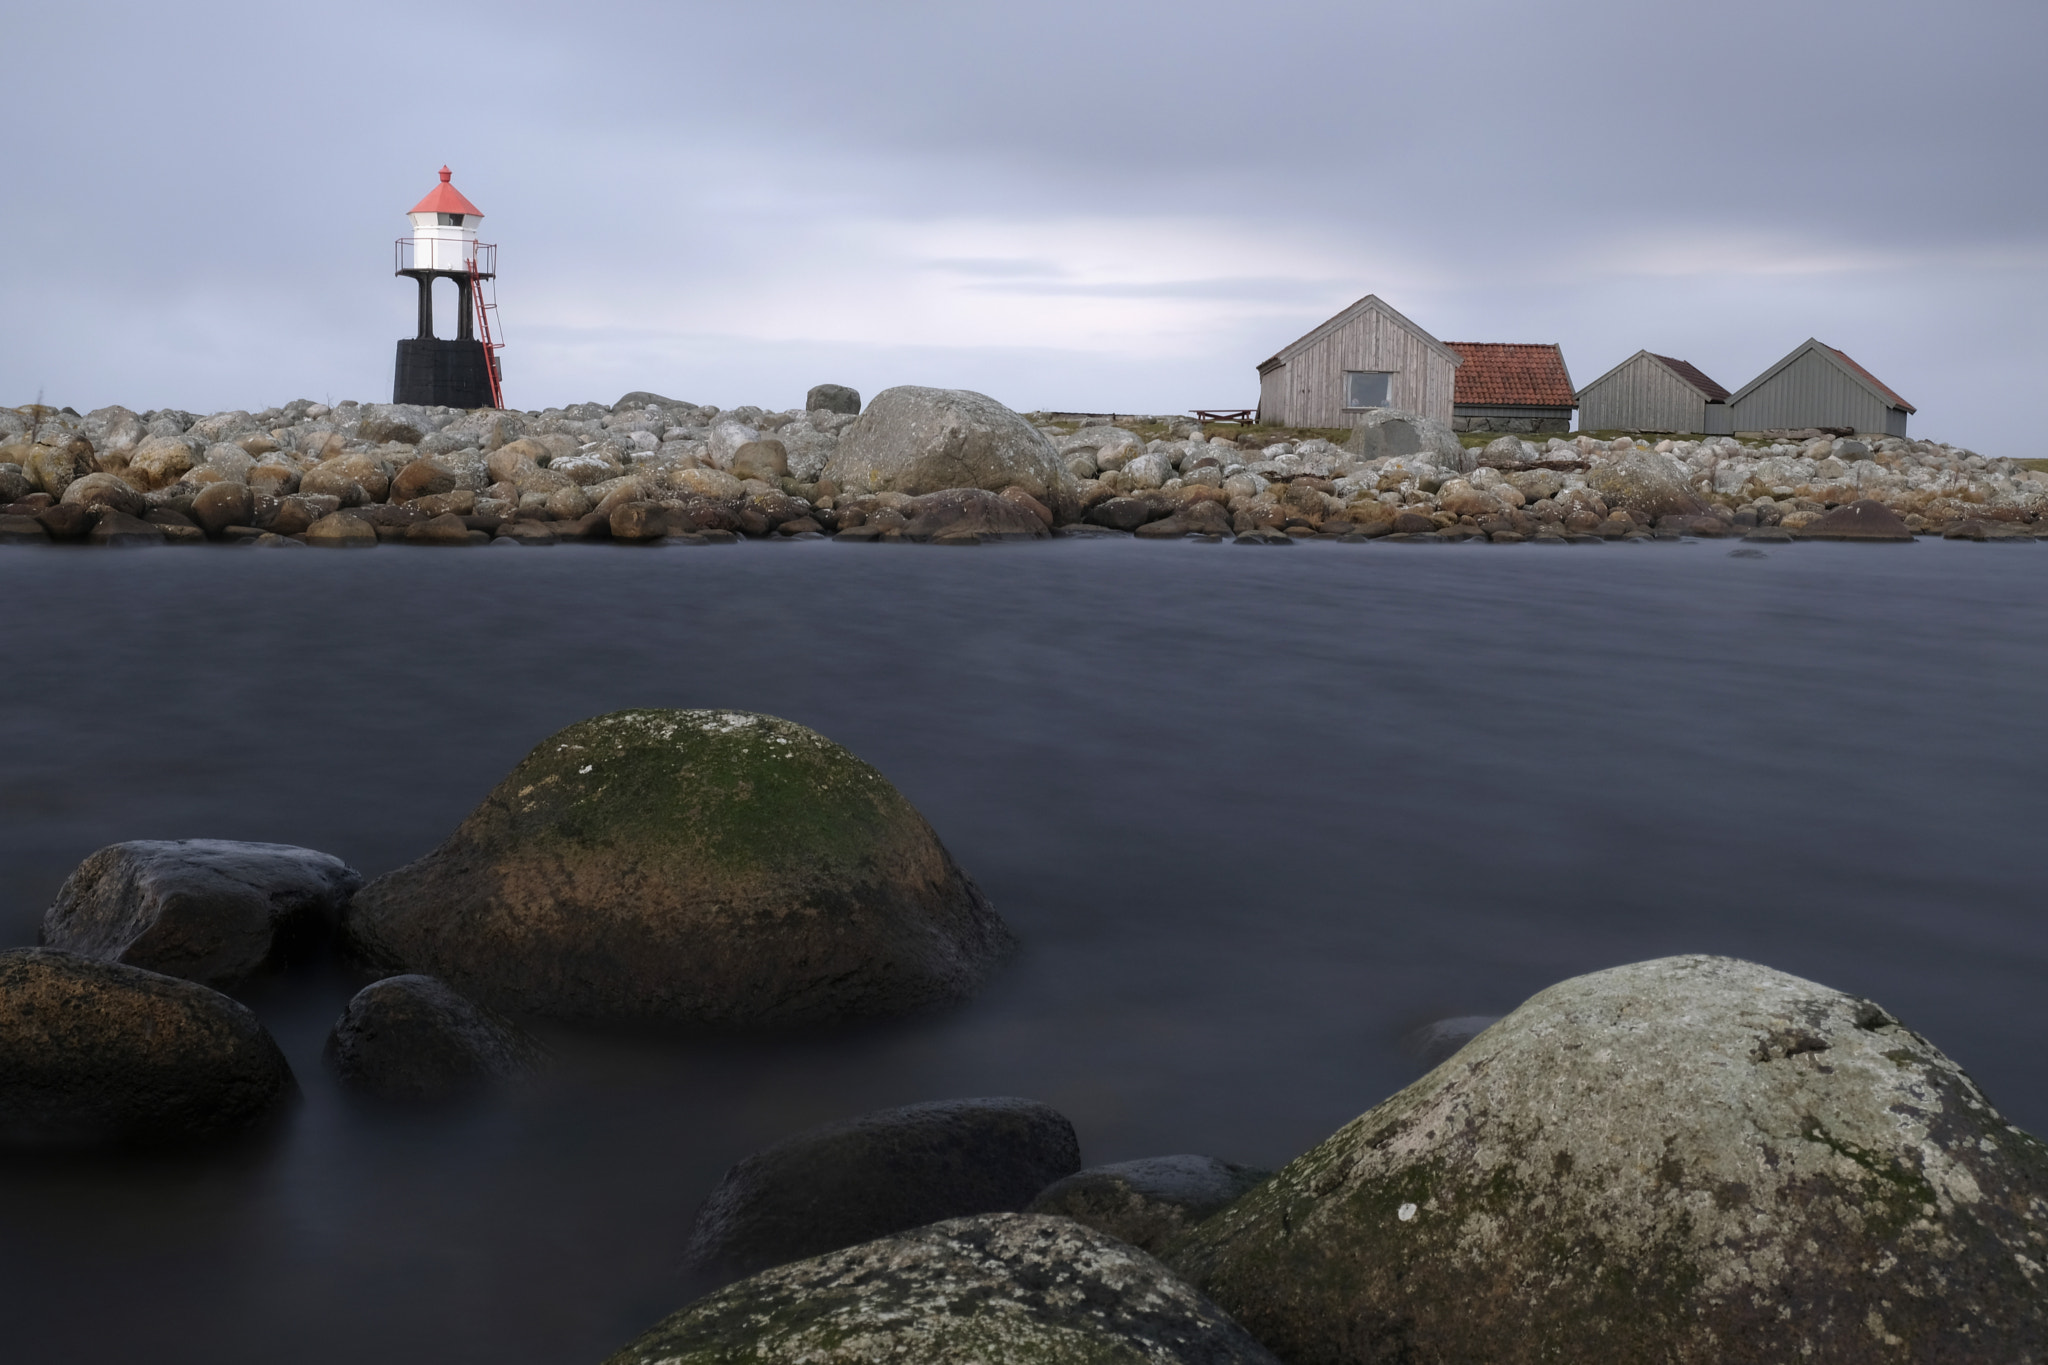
[1001,1289]
[1692,1159]
[916,440]
[412,1038]
[209,910]
[1865,519]
[98,1053]
[1147,1202]
[878,1174]
[714,869]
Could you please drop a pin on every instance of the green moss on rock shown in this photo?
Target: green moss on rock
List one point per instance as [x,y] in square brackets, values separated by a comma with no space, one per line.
[709,868]
[1693,1159]
[1000,1289]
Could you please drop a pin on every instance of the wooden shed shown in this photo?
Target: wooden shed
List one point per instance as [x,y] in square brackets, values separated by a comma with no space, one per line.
[1511,387]
[1366,357]
[1818,386]
[1651,392]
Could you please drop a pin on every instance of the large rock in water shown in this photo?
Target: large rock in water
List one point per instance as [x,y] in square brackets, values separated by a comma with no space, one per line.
[1001,1289]
[412,1038]
[1692,1159]
[209,910]
[98,1053]
[878,1174]
[915,440]
[711,869]
[1644,483]
[1865,519]
[1147,1202]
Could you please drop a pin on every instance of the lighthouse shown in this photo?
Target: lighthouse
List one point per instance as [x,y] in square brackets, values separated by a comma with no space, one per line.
[463,372]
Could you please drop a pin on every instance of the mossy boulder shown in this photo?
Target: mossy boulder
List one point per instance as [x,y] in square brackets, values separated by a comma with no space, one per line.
[411,1038]
[703,869]
[1691,1159]
[98,1053]
[1005,1289]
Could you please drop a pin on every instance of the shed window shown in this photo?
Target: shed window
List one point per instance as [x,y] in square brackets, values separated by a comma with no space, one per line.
[1366,388]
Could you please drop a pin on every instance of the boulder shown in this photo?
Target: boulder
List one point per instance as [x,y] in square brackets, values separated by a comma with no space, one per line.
[1644,483]
[961,512]
[339,530]
[209,910]
[1148,1202]
[221,505]
[67,523]
[1390,431]
[708,869]
[159,461]
[119,528]
[97,492]
[52,468]
[832,398]
[875,1175]
[1194,518]
[766,459]
[413,1038]
[1691,1159]
[639,521]
[446,529]
[918,440]
[1867,519]
[18,530]
[1002,1288]
[97,1052]
[382,422]
[354,478]
[14,484]
[1120,514]
[641,398]
[423,478]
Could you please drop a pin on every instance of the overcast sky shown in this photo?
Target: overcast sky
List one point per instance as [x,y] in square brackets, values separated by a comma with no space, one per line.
[1097,206]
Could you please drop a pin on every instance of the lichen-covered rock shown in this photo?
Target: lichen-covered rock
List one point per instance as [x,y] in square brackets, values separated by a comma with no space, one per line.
[918,440]
[878,1174]
[711,869]
[1001,1289]
[95,492]
[1864,519]
[96,1052]
[1391,432]
[1643,483]
[412,1038]
[213,911]
[1691,1160]
[1147,1202]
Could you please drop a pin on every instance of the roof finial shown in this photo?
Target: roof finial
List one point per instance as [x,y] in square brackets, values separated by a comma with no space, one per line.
[445,174]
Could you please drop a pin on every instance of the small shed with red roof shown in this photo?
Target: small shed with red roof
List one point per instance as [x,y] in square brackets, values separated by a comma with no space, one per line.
[1655,393]
[1511,387]
[1818,386]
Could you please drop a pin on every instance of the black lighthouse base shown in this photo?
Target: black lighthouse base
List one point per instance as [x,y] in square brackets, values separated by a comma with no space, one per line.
[435,373]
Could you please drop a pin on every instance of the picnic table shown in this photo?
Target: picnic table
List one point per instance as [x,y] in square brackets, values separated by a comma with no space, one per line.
[1243,417]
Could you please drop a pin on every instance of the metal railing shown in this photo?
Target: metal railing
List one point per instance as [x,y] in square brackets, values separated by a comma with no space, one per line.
[429,253]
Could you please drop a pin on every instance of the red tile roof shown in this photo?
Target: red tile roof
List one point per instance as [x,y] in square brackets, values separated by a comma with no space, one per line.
[1882,386]
[445,198]
[1691,375]
[1512,374]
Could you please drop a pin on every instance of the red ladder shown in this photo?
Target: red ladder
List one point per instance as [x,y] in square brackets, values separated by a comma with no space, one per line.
[485,311]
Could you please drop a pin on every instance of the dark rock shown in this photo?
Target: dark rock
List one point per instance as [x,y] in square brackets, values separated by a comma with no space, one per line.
[339,530]
[22,531]
[221,505]
[712,869]
[1000,1289]
[1769,533]
[97,1052]
[446,529]
[1120,514]
[971,511]
[639,521]
[1692,1159]
[105,492]
[176,529]
[832,398]
[1414,523]
[917,440]
[875,1175]
[208,910]
[802,526]
[423,478]
[527,533]
[1148,1202]
[118,528]
[413,1038]
[1865,519]
[1194,518]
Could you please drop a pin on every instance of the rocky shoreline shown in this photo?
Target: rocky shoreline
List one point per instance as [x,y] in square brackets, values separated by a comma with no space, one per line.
[1693,1158]
[947,467]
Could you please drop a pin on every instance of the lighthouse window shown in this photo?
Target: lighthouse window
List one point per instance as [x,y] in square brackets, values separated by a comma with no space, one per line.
[451,220]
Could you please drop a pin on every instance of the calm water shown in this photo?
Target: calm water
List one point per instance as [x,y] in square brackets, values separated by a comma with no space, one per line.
[1255,812]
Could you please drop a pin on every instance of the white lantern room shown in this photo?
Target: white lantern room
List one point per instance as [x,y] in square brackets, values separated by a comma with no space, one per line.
[444,230]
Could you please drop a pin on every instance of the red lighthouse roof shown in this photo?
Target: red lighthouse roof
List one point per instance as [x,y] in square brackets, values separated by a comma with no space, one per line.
[445,198]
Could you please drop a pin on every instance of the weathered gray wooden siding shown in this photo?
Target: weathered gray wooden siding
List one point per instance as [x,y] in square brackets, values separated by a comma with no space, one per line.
[1308,391]
[1719,423]
[1642,395]
[1812,391]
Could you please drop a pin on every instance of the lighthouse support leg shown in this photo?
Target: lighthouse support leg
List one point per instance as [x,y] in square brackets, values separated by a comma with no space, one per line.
[465,311]
[426,284]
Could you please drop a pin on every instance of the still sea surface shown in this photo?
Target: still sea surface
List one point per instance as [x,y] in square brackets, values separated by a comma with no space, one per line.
[1257,814]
